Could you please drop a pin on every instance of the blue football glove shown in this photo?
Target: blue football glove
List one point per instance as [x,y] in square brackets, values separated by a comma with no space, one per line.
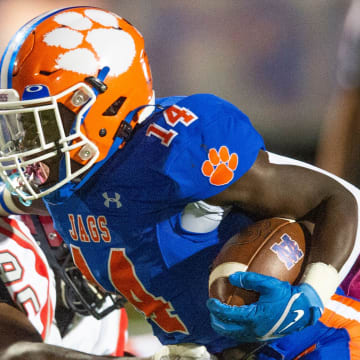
[281,309]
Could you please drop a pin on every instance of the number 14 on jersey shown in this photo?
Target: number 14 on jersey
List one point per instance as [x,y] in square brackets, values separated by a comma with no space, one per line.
[173,116]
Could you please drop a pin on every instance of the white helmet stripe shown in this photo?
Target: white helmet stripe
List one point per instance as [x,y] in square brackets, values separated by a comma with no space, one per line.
[12,49]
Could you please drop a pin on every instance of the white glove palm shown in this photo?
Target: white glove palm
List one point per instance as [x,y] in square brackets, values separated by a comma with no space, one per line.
[183,352]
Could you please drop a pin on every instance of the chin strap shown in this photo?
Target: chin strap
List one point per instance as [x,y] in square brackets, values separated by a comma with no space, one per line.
[12,192]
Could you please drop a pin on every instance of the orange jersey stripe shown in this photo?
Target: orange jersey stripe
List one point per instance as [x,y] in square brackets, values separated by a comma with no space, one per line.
[344,312]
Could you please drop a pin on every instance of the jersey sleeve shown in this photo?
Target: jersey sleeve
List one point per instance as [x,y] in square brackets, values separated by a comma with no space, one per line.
[215,148]
[27,275]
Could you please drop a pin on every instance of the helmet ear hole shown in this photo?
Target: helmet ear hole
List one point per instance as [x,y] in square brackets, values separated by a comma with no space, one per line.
[113,109]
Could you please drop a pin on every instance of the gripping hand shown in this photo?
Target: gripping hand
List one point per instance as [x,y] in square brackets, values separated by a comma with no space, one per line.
[281,309]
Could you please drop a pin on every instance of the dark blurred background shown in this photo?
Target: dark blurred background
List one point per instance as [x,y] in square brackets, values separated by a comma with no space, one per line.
[274,59]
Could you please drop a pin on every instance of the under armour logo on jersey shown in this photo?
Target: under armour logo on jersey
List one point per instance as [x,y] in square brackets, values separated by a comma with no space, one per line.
[115,200]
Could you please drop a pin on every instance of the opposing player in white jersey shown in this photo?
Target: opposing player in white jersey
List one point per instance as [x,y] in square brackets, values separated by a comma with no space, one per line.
[39,280]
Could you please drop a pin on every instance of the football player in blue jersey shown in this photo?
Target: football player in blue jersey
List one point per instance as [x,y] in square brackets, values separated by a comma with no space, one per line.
[146,191]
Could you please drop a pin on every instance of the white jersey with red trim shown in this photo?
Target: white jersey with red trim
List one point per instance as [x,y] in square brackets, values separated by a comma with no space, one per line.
[31,284]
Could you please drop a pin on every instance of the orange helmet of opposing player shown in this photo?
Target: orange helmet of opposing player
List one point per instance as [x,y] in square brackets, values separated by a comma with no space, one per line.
[78,71]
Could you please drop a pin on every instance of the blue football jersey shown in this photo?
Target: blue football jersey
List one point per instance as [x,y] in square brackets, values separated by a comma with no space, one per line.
[124,225]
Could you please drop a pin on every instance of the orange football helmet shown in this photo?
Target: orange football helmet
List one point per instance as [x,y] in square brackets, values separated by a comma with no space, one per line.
[69,78]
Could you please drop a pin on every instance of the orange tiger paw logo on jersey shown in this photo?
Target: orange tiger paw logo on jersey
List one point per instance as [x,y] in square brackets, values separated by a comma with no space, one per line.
[220,166]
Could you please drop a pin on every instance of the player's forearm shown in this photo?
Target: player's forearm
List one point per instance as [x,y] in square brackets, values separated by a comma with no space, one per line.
[336,236]
[335,242]
[336,215]
[15,327]
[39,351]
[19,340]
[334,209]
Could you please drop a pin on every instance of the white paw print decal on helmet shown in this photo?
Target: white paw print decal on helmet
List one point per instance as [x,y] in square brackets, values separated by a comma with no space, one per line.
[109,45]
